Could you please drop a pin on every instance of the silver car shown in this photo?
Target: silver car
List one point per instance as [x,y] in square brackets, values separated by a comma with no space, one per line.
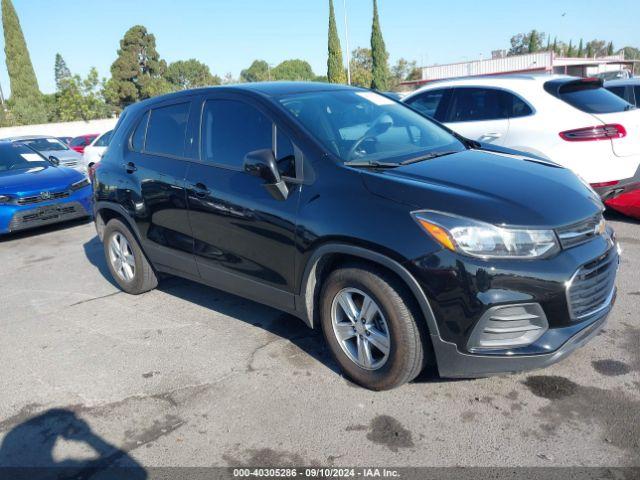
[53,147]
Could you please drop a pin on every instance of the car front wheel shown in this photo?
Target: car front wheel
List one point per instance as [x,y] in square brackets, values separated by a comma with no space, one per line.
[369,320]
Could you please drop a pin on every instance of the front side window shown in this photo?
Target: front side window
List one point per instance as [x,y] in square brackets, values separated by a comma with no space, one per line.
[104,140]
[167,129]
[474,104]
[429,103]
[230,130]
[285,155]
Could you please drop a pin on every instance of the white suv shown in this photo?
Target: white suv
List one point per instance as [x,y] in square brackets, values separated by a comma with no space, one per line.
[571,121]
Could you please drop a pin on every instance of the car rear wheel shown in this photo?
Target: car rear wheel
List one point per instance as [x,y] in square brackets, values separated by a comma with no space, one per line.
[370,322]
[127,264]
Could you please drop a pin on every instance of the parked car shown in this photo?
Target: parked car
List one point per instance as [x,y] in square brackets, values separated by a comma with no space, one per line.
[79,143]
[628,89]
[53,147]
[406,244]
[36,191]
[65,140]
[571,121]
[94,152]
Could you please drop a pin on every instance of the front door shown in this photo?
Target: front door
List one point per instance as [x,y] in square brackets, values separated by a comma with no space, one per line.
[243,236]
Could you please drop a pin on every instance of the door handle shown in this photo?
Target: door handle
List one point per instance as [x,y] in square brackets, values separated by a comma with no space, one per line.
[130,167]
[200,189]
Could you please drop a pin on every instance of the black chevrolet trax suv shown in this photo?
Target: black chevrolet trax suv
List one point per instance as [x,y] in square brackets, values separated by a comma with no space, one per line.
[406,244]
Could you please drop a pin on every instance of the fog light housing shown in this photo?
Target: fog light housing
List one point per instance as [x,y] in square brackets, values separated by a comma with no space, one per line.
[508,326]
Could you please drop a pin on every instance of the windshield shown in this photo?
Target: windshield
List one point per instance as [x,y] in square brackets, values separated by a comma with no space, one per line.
[364,126]
[14,156]
[46,144]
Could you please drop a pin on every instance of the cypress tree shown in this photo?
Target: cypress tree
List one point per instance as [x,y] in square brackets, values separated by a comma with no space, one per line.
[27,105]
[379,56]
[61,71]
[555,45]
[580,49]
[610,49]
[570,51]
[335,67]
[589,50]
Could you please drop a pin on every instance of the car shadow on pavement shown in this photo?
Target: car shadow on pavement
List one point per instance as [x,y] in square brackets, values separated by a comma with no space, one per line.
[612,215]
[27,451]
[279,324]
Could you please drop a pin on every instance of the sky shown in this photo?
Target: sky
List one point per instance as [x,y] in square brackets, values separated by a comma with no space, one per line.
[228,35]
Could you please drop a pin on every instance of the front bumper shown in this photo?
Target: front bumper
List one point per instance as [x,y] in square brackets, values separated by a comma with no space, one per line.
[460,290]
[15,218]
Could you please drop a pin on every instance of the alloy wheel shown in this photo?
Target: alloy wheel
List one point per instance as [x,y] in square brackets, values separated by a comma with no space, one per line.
[360,328]
[121,257]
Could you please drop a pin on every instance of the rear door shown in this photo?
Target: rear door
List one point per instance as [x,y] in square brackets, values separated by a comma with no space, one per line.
[479,113]
[155,166]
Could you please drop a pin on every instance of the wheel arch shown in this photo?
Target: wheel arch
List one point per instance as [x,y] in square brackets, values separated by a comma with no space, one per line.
[327,257]
[105,211]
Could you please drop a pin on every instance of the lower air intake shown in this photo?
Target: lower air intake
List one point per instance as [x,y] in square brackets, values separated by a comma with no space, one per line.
[508,326]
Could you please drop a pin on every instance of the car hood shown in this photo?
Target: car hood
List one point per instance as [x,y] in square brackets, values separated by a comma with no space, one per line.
[492,187]
[49,178]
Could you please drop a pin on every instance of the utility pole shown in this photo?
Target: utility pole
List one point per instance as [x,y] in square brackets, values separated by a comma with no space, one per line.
[346,34]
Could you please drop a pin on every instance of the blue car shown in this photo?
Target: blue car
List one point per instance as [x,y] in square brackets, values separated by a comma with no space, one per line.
[34,191]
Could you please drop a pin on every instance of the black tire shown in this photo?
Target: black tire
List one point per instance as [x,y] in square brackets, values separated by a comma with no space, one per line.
[144,278]
[409,344]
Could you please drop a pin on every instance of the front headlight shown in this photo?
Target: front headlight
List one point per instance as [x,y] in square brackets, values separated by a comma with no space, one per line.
[484,240]
[81,184]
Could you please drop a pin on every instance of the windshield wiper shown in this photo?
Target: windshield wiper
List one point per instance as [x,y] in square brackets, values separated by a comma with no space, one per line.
[428,156]
[371,163]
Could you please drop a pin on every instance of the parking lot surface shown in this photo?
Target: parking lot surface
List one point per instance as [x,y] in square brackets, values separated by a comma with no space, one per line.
[190,376]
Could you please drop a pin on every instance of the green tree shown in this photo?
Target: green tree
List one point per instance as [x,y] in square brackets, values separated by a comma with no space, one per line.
[571,52]
[26,103]
[295,69]
[138,71]
[401,71]
[81,99]
[61,72]
[580,50]
[335,66]
[610,50]
[529,42]
[258,71]
[185,74]
[379,56]
[589,50]
[535,41]
[555,45]
[630,53]
[361,66]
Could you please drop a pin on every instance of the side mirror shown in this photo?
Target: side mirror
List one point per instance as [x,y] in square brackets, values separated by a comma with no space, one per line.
[54,160]
[262,164]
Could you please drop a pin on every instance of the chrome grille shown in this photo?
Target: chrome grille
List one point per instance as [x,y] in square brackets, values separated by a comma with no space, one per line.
[580,232]
[39,199]
[592,287]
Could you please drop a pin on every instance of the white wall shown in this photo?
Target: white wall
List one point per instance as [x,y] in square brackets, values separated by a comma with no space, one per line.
[67,129]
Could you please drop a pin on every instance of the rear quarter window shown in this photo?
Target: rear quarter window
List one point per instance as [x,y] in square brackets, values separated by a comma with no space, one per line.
[592,98]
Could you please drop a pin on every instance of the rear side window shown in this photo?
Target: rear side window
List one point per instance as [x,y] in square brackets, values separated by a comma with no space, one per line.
[478,104]
[591,98]
[231,129]
[429,103]
[167,129]
[137,139]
